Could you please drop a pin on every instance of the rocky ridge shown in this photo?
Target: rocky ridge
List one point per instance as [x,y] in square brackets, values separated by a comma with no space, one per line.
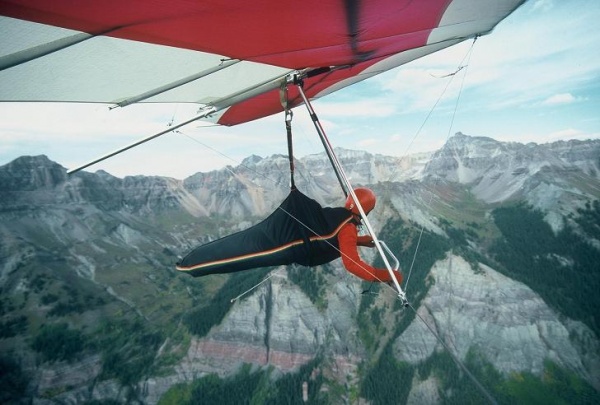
[498,171]
[92,225]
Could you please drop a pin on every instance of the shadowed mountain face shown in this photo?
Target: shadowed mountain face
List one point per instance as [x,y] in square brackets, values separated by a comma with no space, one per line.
[501,242]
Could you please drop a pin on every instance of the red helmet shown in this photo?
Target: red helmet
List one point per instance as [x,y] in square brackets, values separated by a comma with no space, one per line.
[365,196]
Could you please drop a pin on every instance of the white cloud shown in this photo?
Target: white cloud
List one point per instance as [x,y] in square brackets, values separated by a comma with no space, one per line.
[87,122]
[362,108]
[540,50]
[546,137]
[365,143]
[543,49]
[570,133]
[420,88]
[563,98]
[542,5]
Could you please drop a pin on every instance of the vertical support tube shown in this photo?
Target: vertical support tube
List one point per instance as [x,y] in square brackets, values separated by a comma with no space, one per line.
[337,167]
[345,182]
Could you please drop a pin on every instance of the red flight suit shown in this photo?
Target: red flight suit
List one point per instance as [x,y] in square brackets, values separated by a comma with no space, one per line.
[348,240]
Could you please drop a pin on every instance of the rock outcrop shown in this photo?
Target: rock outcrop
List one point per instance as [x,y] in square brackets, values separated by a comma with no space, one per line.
[500,319]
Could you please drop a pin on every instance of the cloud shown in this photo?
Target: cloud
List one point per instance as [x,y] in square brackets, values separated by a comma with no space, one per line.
[569,133]
[357,108]
[420,88]
[365,143]
[546,137]
[541,50]
[542,5]
[557,99]
[87,122]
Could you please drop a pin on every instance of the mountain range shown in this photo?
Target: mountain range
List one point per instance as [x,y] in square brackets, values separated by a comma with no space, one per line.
[499,244]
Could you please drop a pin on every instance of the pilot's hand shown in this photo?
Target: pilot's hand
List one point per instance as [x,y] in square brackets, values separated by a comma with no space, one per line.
[366,241]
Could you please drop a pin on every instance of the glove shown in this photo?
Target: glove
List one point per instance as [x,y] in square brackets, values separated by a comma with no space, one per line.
[365,240]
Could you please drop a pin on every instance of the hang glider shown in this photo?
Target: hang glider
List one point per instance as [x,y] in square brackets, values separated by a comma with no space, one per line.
[233,58]
[228,56]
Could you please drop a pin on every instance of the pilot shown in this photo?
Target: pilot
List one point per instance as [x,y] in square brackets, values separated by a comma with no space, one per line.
[348,240]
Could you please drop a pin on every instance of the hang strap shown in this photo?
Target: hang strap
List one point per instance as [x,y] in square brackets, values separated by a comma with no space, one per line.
[283,94]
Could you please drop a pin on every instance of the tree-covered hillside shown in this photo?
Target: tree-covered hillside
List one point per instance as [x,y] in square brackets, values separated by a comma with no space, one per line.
[563,267]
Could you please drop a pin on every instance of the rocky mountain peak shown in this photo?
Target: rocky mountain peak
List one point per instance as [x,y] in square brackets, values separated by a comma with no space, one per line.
[31,173]
[251,160]
[498,171]
[461,139]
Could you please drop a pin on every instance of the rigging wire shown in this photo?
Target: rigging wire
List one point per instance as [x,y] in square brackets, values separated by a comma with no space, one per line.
[468,57]
[462,65]
[449,74]
[255,286]
[462,366]
[462,84]
[237,162]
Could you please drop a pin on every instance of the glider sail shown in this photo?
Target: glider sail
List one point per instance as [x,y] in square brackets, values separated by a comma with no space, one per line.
[228,54]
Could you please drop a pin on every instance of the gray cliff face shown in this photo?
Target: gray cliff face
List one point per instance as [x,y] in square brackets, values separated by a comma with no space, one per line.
[277,326]
[501,319]
[581,154]
[364,168]
[494,171]
[282,322]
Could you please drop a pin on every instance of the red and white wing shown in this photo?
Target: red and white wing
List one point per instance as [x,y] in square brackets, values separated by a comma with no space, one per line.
[230,54]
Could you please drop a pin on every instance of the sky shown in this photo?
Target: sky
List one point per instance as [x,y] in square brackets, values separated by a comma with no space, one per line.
[535,78]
